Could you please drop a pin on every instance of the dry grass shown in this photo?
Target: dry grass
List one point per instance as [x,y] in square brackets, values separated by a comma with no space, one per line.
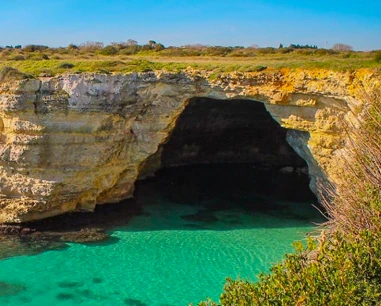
[355,204]
[50,61]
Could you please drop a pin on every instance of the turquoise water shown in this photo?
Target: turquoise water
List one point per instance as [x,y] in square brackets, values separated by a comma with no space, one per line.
[179,251]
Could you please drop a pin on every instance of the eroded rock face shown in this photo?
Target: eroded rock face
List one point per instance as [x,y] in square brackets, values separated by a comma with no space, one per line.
[71,142]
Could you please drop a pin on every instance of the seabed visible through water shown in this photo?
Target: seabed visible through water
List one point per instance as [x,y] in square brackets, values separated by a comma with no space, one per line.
[199,225]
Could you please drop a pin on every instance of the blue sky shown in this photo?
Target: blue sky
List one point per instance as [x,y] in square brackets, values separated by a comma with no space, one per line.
[179,22]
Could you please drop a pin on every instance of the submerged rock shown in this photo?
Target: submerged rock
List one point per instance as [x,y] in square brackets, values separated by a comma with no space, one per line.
[84,235]
[204,216]
[97,280]
[17,243]
[10,289]
[134,302]
[70,284]
[53,233]
[65,296]
[13,245]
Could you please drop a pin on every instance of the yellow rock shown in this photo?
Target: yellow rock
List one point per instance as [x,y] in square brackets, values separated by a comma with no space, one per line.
[70,142]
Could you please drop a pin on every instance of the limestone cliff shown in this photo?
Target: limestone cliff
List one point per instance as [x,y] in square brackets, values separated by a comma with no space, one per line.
[70,142]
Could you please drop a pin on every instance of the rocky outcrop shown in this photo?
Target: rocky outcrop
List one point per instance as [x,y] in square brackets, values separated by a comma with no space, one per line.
[70,142]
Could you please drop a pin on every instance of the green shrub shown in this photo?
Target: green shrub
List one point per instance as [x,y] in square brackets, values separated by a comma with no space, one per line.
[377,56]
[66,65]
[129,50]
[268,50]
[37,56]
[11,74]
[159,47]
[32,48]
[218,51]
[304,51]
[258,68]
[108,50]
[325,52]
[72,47]
[172,51]
[339,271]
[17,58]
[285,50]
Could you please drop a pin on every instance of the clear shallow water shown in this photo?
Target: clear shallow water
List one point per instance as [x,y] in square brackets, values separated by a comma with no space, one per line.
[179,251]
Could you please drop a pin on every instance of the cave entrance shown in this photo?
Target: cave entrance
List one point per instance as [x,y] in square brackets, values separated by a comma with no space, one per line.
[228,131]
[228,198]
[230,154]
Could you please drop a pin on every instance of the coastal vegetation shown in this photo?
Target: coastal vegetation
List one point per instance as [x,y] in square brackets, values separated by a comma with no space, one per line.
[129,56]
[341,266]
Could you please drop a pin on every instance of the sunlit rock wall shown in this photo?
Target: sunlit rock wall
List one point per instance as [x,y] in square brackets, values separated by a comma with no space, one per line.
[70,142]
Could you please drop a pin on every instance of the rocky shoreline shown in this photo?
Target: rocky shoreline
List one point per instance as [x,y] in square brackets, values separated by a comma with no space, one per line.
[81,236]
[54,233]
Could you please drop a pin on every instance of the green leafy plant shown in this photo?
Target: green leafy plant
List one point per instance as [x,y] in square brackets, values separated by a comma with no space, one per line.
[338,270]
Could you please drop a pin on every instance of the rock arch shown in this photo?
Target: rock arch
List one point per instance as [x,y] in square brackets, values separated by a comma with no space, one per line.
[100,130]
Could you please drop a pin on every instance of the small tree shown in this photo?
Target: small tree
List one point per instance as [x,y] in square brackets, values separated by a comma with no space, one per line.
[253,46]
[109,50]
[32,48]
[342,47]
[72,47]
[159,47]
[151,43]
[91,45]
[131,42]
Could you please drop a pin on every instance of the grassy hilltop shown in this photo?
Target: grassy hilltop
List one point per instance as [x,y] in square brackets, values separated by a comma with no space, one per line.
[126,57]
